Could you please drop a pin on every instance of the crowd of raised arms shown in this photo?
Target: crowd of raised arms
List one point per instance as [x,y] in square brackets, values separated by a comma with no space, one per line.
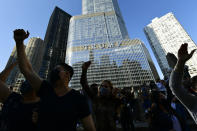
[52,105]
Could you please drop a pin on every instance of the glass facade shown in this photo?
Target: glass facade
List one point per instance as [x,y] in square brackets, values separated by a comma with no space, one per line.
[100,35]
[94,6]
[125,63]
[104,6]
[95,28]
[55,41]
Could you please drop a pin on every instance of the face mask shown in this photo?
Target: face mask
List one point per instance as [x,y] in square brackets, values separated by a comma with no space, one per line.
[104,91]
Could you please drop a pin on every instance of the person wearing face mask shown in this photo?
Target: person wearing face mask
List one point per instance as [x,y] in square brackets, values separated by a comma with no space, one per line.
[105,89]
[105,104]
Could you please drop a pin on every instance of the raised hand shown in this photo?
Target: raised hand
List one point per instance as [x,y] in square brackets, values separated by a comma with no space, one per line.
[183,54]
[86,65]
[20,35]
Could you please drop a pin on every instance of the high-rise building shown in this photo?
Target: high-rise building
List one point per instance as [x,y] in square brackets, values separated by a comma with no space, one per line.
[94,6]
[55,41]
[126,63]
[11,78]
[165,34]
[100,35]
[112,22]
[99,25]
[34,51]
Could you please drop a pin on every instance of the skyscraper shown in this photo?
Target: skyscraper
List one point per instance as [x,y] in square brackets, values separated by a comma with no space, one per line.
[126,63]
[11,78]
[102,24]
[55,41]
[34,51]
[94,6]
[112,20]
[100,35]
[165,35]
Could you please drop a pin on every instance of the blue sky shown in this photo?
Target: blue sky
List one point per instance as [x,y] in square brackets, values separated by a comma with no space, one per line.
[33,15]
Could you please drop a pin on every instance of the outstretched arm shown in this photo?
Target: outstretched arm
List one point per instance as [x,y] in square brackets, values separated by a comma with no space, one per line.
[25,67]
[4,90]
[83,81]
[176,77]
[5,73]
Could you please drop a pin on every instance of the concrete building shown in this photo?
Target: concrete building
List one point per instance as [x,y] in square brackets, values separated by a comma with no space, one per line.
[11,78]
[34,51]
[165,34]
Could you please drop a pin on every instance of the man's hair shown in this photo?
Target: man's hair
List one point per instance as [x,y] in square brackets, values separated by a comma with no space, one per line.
[54,75]
[108,82]
[94,85]
[67,68]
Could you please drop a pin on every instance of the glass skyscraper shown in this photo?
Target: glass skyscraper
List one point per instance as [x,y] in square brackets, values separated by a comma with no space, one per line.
[94,6]
[101,24]
[55,41]
[100,35]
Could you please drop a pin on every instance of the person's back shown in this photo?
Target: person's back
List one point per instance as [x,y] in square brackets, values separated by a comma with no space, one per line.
[160,120]
[126,116]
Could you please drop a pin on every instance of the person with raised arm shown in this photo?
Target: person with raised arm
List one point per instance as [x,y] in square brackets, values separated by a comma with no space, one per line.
[188,99]
[105,105]
[61,107]
[4,90]
[17,108]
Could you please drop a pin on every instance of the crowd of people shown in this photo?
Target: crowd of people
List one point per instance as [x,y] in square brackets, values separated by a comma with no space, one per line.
[52,105]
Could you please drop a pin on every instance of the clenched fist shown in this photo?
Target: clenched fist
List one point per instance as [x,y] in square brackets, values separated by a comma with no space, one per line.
[86,65]
[20,35]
